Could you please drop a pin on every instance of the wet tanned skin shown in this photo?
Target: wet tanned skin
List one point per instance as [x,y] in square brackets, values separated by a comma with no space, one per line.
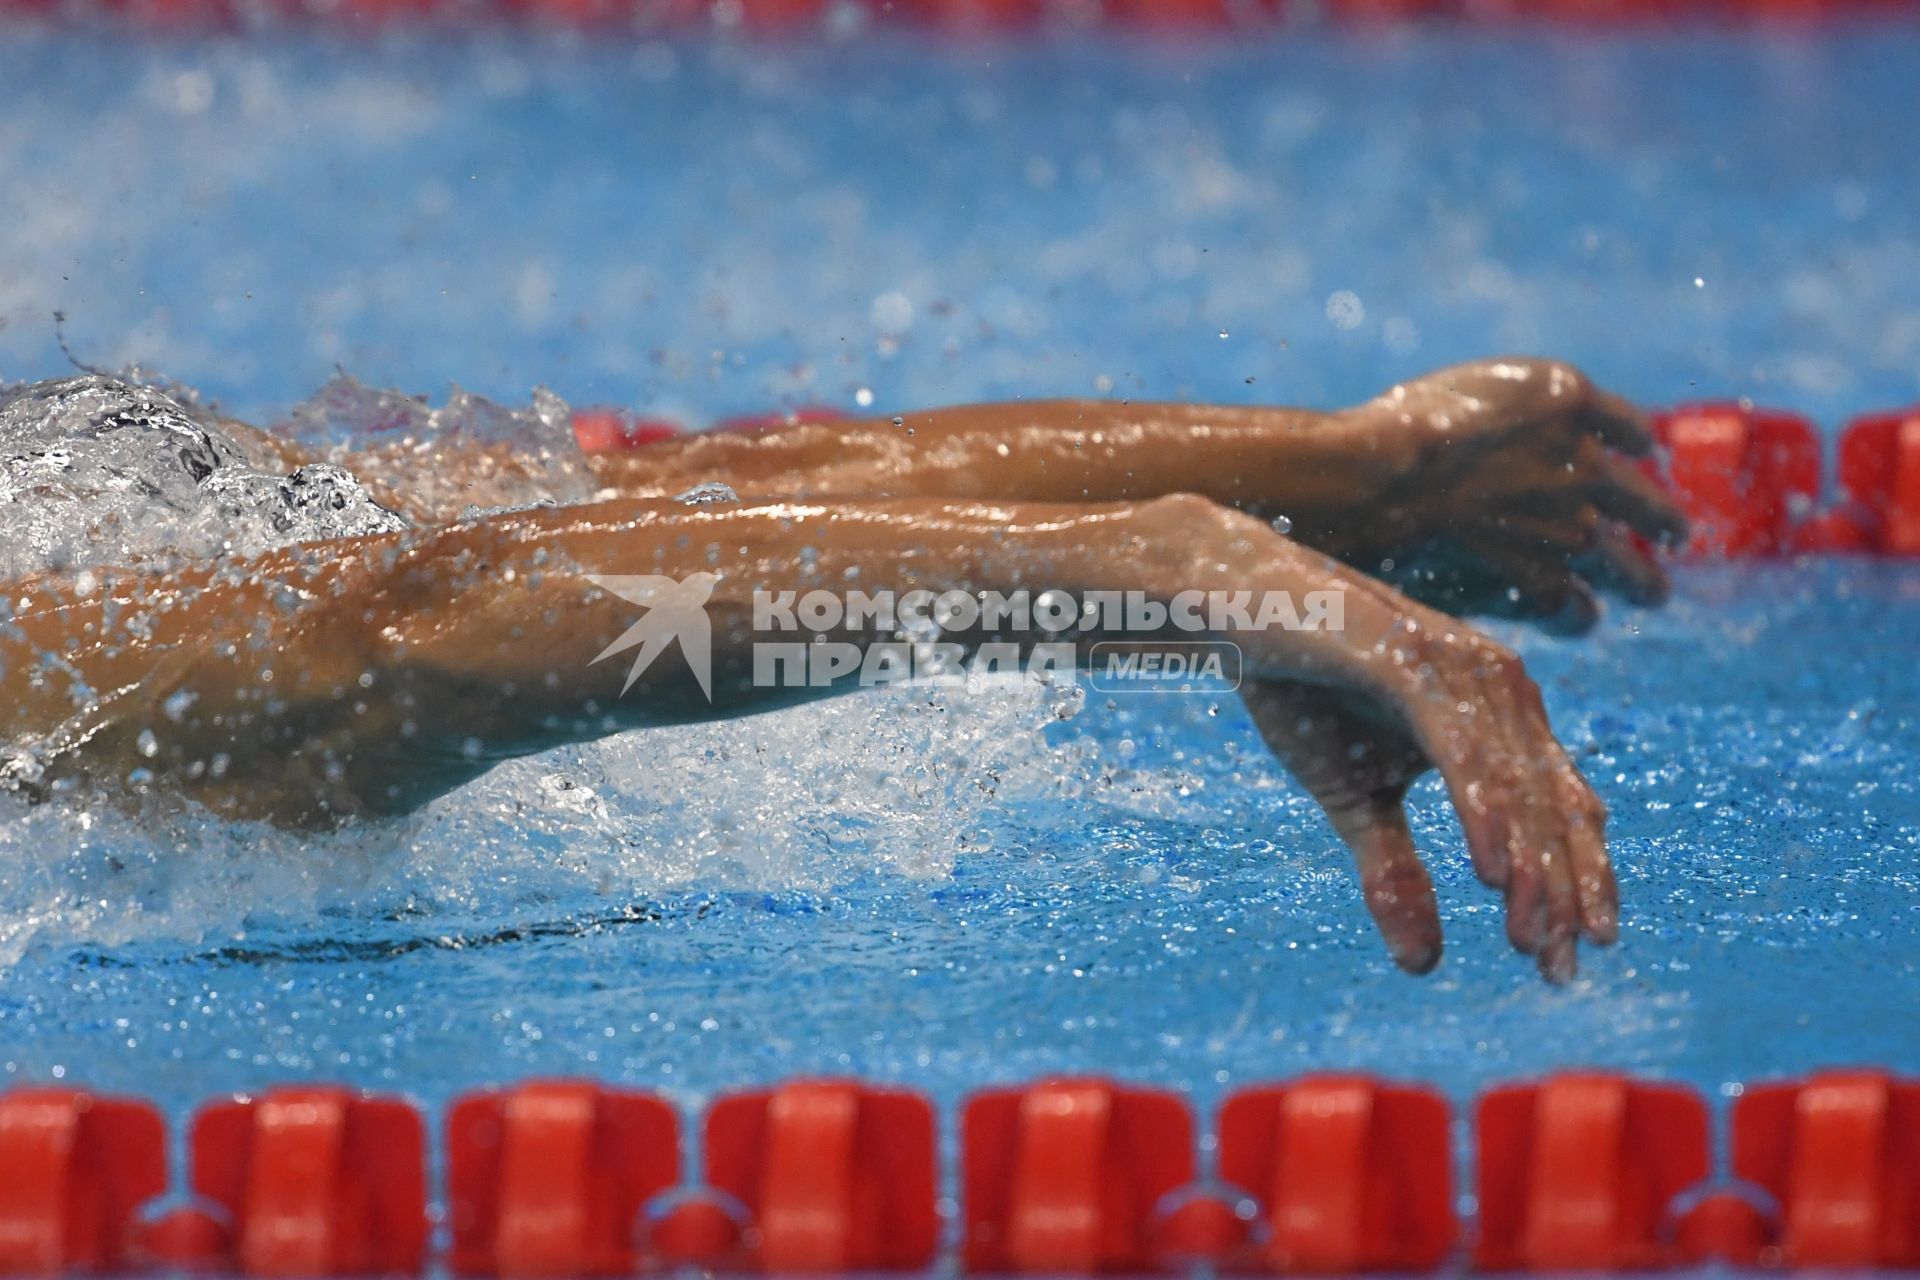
[364,677]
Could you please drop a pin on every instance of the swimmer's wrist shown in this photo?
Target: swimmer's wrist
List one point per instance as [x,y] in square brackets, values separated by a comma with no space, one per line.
[1360,461]
[1387,443]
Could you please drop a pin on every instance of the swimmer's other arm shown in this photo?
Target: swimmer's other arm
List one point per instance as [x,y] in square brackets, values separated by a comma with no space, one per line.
[369,676]
[1504,486]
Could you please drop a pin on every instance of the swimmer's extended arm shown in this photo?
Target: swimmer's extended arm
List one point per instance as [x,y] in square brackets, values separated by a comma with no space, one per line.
[1306,465]
[1501,486]
[369,676]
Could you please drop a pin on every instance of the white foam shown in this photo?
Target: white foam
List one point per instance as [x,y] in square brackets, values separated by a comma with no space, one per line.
[900,780]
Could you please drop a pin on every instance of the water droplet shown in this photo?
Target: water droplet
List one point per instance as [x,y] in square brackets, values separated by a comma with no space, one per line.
[891,313]
[1345,309]
[711,493]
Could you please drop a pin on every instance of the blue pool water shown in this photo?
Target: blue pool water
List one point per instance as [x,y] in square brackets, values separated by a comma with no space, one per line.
[966,888]
[698,229]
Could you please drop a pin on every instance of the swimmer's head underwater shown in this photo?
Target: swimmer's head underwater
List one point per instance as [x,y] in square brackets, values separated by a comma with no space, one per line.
[199,610]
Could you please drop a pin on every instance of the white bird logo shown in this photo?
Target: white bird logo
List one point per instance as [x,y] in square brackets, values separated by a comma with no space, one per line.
[676,610]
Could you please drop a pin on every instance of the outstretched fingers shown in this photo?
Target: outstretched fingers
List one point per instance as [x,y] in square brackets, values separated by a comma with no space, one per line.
[1576,893]
[1358,767]
[1549,561]
[1540,583]
[1597,891]
[1614,421]
[1623,491]
[1394,882]
[1618,564]
[1465,739]
[1543,904]
[1533,826]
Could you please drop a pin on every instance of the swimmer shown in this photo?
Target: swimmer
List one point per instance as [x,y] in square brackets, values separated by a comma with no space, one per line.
[303,642]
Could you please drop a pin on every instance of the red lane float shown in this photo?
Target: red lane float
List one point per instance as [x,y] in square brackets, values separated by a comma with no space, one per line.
[1371,12]
[1840,1154]
[984,16]
[551,1178]
[1749,478]
[1580,13]
[1728,1227]
[1352,1174]
[800,19]
[1066,1176]
[599,430]
[316,1181]
[1744,476]
[572,13]
[771,17]
[1580,1172]
[1880,474]
[1175,15]
[835,1176]
[74,1169]
[178,15]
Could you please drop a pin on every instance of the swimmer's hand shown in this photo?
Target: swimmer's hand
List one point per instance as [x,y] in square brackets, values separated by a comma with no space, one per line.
[1457,701]
[1514,493]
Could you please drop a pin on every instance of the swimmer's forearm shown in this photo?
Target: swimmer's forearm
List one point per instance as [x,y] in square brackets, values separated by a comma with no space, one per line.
[370,676]
[1316,469]
[1259,459]
[511,603]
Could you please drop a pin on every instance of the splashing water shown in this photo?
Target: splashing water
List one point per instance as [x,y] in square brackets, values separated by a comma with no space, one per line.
[511,457]
[902,780]
[348,412]
[96,471]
